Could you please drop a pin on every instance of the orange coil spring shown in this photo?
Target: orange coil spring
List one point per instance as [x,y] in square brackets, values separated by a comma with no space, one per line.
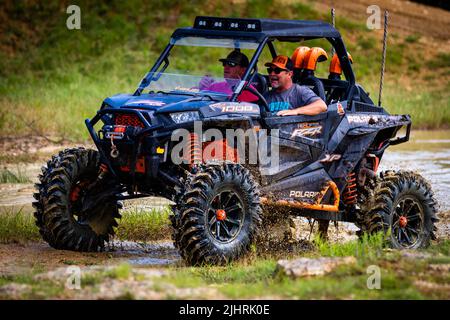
[195,148]
[350,193]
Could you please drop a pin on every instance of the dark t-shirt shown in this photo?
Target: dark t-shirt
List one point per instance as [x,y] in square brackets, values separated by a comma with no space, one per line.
[296,96]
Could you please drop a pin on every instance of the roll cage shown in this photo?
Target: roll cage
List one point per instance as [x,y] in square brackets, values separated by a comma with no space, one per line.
[265,32]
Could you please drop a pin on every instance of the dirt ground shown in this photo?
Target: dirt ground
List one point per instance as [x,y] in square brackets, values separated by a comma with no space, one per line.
[404,17]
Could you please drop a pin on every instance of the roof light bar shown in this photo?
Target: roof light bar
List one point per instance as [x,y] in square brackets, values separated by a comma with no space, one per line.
[227,24]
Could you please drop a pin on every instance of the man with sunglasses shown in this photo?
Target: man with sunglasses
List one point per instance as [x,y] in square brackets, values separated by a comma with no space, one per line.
[234,67]
[287,98]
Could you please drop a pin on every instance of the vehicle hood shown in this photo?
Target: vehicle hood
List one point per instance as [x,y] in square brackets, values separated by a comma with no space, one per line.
[158,101]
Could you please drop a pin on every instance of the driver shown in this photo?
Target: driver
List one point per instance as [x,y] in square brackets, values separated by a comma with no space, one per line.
[234,67]
[287,98]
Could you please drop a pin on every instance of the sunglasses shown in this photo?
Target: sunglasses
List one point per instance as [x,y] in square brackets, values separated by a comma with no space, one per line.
[276,70]
[229,63]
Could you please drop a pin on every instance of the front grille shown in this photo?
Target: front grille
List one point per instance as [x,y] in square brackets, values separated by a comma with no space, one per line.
[128,120]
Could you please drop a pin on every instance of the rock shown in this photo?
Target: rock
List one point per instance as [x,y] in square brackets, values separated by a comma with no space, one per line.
[149,290]
[300,229]
[304,267]
[411,254]
[14,290]
[431,286]
[441,268]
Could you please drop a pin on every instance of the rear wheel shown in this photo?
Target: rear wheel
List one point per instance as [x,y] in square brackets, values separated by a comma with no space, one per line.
[219,215]
[77,210]
[404,208]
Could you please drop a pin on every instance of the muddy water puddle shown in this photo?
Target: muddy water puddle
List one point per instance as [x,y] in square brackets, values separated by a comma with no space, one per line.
[18,258]
[145,254]
[428,153]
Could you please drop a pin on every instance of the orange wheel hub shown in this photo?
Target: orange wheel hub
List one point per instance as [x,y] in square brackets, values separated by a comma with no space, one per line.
[75,194]
[221,214]
[403,221]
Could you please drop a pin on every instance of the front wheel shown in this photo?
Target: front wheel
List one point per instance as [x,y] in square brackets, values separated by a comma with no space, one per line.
[219,215]
[404,208]
[75,210]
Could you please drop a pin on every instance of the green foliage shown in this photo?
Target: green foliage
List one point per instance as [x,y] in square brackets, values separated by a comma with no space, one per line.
[144,225]
[17,226]
[442,60]
[52,78]
[412,38]
[367,248]
[122,271]
[138,225]
[8,176]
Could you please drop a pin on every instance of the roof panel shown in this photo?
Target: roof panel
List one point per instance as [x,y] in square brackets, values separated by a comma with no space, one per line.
[218,26]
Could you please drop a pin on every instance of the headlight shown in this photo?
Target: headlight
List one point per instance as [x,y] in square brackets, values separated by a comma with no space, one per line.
[180,117]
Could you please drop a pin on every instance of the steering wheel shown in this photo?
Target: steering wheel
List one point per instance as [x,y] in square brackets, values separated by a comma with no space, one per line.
[261,100]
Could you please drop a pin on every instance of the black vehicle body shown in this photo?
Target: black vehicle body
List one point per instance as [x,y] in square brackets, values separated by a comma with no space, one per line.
[362,131]
[327,163]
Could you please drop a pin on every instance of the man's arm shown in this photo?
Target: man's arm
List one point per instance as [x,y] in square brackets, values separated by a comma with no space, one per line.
[311,109]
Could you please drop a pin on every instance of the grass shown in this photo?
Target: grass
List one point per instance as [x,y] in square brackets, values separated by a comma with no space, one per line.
[8,176]
[35,289]
[122,271]
[257,279]
[19,226]
[52,78]
[368,249]
[144,225]
[255,276]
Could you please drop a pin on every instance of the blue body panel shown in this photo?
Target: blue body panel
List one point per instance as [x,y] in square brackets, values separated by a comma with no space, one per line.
[157,101]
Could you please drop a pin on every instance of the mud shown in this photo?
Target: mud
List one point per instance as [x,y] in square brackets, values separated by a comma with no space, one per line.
[31,257]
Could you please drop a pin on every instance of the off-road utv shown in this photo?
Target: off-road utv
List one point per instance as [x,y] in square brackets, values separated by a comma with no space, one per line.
[149,144]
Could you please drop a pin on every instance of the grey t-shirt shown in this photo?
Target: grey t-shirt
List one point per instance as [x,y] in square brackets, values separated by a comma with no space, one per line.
[296,96]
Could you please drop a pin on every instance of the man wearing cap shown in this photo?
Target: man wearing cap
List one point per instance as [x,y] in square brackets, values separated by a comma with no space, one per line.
[234,67]
[287,98]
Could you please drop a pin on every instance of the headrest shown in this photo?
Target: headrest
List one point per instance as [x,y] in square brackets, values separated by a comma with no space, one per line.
[314,55]
[335,65]
[298,57]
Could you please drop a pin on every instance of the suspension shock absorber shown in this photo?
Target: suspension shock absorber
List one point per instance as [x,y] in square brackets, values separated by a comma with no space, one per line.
[350,193]
[195,149]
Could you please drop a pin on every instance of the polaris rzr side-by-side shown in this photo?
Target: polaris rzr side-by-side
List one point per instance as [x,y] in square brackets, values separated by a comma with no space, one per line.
[149,144]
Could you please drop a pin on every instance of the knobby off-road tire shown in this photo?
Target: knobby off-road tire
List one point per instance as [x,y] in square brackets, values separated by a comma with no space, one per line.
[177,210]
[218,215]
[41,195]
[365,202]
[404,208]
[57,214]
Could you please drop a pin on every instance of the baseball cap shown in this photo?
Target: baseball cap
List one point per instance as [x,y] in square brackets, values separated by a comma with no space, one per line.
[282,62]
[236,57]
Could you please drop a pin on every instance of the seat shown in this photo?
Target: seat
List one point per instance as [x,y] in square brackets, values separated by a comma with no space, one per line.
[298,58]
[335,67]
[335,70]
[312,56]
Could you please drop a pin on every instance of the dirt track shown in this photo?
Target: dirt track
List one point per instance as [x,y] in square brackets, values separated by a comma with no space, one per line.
[405,17]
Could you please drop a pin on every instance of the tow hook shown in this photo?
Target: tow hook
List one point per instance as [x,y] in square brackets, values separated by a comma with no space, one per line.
[114,152]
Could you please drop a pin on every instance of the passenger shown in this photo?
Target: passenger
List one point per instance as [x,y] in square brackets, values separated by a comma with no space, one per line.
[287,98]
[234,67]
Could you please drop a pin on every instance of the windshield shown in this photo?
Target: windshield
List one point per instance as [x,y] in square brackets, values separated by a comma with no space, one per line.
[198,65]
